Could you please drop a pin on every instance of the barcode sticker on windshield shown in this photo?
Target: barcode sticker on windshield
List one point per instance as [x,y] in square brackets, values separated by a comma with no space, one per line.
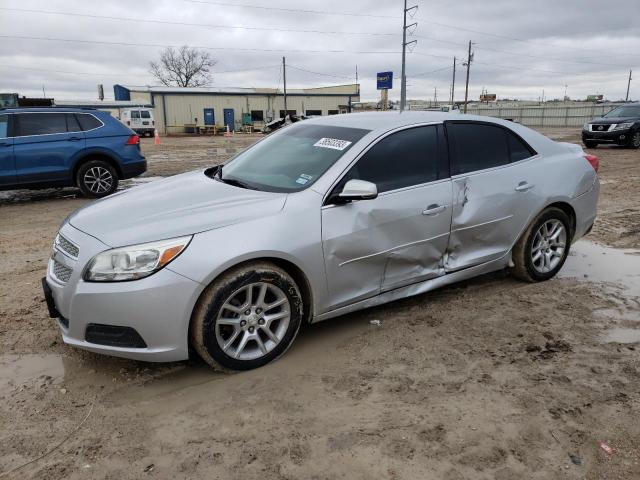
[334,143]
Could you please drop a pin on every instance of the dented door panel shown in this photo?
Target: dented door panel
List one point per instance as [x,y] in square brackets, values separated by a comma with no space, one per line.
[380,244]
[490,210]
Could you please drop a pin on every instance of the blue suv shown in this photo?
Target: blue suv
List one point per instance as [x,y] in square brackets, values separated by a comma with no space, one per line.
[62,147]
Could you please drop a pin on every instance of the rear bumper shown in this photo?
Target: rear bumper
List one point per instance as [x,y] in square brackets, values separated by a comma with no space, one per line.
[586,208]
[620,137]
[130,170]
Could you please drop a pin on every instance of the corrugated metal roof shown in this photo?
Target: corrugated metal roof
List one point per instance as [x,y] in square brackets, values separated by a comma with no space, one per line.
[239,90]
[100,104]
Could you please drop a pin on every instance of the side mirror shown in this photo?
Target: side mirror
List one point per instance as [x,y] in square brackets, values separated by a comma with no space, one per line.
[358,190]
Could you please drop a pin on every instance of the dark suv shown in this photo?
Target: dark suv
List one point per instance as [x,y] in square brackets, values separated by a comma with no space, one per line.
[56,147]
[620,126]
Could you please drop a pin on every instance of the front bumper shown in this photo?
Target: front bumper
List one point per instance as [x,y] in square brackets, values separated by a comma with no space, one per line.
[157,307]
[620,137]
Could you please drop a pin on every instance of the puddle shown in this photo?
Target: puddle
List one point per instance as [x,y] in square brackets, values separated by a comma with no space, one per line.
[622,335]
[17,370]
[597,263]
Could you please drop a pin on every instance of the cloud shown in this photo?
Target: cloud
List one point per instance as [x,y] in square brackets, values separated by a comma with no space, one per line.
[520,47]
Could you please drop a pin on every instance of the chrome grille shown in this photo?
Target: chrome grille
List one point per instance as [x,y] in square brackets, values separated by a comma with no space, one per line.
[61,272]
[599,128]
[67,247]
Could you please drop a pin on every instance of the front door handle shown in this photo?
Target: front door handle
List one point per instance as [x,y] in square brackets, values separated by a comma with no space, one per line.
[434,209]
[524,187]
[5,144]
[73,139]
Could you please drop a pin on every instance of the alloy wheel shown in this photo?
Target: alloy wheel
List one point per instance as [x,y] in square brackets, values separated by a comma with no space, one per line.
[548,246]
[636,139]
[98,180]
[253,321]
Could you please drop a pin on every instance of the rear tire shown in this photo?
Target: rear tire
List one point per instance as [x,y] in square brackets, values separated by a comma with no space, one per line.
[97,179]
[543,248]
[590,144]
[635,140]
[247,318]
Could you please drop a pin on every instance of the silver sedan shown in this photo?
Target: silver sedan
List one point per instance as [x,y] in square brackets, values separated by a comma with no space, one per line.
[321,218]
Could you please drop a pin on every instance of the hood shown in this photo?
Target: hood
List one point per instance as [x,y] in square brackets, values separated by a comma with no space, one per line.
[175,206]
[612,120]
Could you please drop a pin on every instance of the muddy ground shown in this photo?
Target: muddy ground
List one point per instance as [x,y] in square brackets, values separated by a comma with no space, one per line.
[488,379]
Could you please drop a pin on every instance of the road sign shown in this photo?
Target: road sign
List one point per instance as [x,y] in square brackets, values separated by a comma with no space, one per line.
[385,80]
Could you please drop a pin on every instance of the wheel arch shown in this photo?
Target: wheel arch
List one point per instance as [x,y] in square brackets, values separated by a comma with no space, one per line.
[569,210]
[96,155]
[288,266]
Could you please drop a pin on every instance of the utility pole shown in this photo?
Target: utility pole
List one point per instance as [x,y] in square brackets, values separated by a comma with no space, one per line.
[403,77]
[435,96]
[468,64]
[628,85]
[453,83]
[284,80]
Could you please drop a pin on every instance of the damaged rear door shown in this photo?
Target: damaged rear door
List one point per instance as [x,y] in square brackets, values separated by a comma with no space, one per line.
[493,184]
[399,237]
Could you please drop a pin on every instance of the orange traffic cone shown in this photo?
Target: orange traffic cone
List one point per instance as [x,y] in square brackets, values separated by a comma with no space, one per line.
[227,133]
[156,137]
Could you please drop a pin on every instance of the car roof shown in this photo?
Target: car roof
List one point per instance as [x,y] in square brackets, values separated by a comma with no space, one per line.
[47,110]
[381,122]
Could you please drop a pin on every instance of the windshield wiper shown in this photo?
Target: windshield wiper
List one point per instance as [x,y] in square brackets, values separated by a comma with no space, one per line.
[232,181]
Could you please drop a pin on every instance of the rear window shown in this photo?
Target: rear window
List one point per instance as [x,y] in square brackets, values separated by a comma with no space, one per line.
[135,114]
[88,121]
[145,114]
[41,123]
[477,146]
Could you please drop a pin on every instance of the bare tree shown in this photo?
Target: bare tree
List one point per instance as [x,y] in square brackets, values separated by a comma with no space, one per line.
[184,67]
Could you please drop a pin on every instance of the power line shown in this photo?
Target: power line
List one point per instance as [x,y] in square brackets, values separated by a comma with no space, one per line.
[188,24]
[158,45]
[515,39]
[104,74]
[318,73]
[291,10]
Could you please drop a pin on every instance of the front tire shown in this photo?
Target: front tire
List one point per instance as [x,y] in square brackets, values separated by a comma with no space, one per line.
[97,179]
[247,318]
[635,140]
[543,248]
[590,144]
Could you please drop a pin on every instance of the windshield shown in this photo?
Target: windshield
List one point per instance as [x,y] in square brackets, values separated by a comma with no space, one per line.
[625,111]
[292,158]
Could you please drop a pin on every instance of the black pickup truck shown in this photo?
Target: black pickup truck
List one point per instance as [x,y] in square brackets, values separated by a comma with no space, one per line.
[621,126]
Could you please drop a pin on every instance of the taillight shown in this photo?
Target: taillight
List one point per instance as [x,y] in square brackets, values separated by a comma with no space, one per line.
[153,122]
[594,161]
[128,122]
[133,140]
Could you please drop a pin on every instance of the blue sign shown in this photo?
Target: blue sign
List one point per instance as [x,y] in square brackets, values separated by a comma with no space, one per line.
[385,80]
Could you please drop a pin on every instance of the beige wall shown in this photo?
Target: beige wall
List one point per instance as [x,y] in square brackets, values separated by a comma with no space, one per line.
[186,108]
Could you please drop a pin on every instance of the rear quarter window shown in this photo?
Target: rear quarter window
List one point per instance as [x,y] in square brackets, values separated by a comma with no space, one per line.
[88,121]
[4,126]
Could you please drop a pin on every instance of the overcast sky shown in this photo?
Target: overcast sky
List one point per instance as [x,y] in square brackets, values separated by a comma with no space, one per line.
[521,47]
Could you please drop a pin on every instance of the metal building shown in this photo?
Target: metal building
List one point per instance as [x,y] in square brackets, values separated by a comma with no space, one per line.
[176,109]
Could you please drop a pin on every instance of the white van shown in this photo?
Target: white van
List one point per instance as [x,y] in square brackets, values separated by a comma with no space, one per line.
[140,120]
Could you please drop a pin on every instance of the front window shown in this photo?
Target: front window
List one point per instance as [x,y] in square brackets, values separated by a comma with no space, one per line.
[292,158]
[625,111]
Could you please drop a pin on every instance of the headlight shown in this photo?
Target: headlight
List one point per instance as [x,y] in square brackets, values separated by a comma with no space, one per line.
[585,127]
[135,261]
[623,126]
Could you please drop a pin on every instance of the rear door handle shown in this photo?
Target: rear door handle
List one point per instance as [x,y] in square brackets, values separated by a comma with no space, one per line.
[524,187]
[434,209]
[73,139]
